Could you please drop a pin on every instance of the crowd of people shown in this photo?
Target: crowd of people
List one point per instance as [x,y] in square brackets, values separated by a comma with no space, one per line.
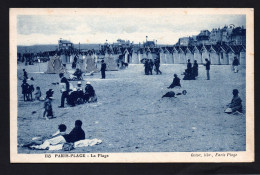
[149,64]
[78,95]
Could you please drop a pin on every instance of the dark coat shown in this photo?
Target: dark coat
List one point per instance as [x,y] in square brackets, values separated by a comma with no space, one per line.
[235,62]
[103,67]
[65,80]
[207,65]
[76,134]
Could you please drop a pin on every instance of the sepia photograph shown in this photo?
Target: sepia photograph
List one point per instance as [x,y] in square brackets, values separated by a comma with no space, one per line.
[131,85]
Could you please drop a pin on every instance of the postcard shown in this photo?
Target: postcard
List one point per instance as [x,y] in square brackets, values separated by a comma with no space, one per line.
[128,85]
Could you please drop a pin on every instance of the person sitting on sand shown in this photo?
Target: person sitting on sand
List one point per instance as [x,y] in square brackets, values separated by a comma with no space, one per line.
[48,105]
[39,140]
[236,103]
[38,93]
[175,82]
[78,74]
[75,135]
[89,95]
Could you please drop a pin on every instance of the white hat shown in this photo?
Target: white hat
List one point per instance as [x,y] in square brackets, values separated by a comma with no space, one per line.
[74,89]
[79,82]
[88,82]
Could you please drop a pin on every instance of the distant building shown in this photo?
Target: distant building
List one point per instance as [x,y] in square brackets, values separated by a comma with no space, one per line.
[184,41]
[238,36]
[122,43]
[65,45]
[203,37]
[149,44]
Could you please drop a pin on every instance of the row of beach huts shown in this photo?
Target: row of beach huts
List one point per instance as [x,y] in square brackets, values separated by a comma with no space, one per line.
[217,54]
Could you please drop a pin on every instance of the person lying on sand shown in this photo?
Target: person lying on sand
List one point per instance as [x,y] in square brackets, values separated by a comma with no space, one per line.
[39,140]
[236,103]
[76,134]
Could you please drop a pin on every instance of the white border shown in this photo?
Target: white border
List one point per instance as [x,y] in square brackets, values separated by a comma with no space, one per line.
[244,156]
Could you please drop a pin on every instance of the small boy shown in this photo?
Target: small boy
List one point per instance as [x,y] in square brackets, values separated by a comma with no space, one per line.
[48,105]
[38,93]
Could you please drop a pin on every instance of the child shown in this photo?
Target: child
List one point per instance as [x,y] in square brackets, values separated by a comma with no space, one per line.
[38,93]
[48,105]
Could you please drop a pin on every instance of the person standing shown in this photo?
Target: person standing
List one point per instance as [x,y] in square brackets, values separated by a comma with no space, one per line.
[64,89]
[103,69]
[48,105]
[235,64]
[25,86]
[189,67]
[25,75]
[195,68]
[207,68]
[157,66]
[150,67]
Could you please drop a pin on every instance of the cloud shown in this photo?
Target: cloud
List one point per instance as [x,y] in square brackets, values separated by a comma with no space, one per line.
[97,28]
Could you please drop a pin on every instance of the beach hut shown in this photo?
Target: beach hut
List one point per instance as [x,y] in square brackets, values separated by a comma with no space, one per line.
[161,55]
[189,54]
[148,53]
[175,55]
[90,63]
[111,62]
[182,56]
[197,54]
[214,54]
[242,55]
[55,66]
[168,55]
[205,53]
[223,55]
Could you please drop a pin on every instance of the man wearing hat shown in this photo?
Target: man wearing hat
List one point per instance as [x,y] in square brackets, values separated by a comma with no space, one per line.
[65,86]
[103,69]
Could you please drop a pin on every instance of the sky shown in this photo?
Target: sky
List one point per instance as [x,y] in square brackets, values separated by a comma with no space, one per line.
[88,29]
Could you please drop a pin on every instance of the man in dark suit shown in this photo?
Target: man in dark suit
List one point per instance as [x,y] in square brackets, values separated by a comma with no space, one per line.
[103,69]
[64,90]
[207,68]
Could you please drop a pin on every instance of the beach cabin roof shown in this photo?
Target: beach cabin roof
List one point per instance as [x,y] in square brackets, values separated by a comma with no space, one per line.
[182,49]
[236,48]
[214,48]
[205,47]
[170,49]
[224,48]
[189,49]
